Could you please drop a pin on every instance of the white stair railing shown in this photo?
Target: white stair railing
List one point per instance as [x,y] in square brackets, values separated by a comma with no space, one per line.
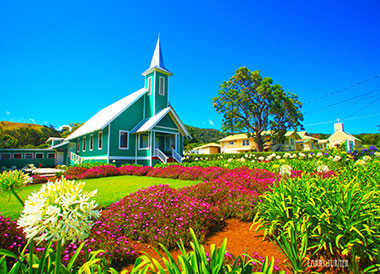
[161,156]
[76,158]
[176,156]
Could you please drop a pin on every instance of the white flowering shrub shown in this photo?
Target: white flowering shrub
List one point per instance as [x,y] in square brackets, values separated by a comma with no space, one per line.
[285,170]
[60,211]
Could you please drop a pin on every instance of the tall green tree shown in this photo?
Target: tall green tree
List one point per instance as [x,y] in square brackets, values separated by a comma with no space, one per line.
[250,103]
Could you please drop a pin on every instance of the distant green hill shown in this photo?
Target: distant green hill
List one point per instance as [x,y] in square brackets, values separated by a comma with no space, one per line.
[22,135]
[205,135]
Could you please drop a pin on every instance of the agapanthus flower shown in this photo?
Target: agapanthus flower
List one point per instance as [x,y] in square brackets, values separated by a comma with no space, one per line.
[60,211]
[337,158]
[285,170]
[323,168]
[367,158]
[360,163]
[12,180]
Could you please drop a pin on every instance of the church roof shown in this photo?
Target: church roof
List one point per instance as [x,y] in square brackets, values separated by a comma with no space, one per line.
[105,116]
[157,61]
[148,124]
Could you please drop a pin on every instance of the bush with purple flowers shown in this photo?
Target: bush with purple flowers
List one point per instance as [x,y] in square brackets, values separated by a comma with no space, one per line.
[12,238]
[160,214]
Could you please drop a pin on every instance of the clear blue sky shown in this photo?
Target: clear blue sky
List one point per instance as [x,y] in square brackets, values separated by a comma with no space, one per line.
[62,61]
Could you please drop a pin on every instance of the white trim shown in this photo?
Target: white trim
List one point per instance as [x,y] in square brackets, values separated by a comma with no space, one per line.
[129,158]
[145,98]
[139,141]
[100,144]
[176,129]
[167,95]
[176,142]
[163,131]
[154,96]
[35,157]
[160,78]
[91,144]
[84,144]
[151,145]
[124,131]
[95,157]
[136,148]
[109,141]
[28,153]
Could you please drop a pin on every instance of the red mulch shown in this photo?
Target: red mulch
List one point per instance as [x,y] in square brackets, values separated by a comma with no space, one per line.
[240,240]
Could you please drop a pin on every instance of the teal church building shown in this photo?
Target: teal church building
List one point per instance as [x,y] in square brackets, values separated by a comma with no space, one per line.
[141,128]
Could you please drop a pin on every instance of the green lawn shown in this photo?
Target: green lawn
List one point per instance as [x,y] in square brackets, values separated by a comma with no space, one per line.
[110,190]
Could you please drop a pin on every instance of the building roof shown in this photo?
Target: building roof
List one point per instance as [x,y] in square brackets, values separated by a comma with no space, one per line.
[149,124]
[54,139]
[346,133]
[207,145]
[105,116]
[245,135]
[157,61]
[65,143]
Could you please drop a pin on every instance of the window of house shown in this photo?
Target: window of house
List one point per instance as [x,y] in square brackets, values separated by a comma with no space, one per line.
[100,140]
[231,142]
[28,156]
[51,155]
[162,85]
[78,145]
[5,156]
[123,139]
[91,142]
[245,142]
[149,85]
[144,141]
[292,141]
[17,155]
[84,143]
[39,156]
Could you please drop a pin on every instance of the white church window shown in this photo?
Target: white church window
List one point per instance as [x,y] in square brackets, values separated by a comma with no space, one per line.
[149,85]
[162,85]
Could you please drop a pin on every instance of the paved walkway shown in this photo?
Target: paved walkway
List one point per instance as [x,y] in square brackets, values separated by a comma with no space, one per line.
[44,171]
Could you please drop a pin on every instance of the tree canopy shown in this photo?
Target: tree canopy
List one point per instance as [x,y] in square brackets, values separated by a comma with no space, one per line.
[252,104]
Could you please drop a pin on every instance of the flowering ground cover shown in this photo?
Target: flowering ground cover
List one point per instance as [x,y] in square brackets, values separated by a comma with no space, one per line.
[109,189]
[326,208]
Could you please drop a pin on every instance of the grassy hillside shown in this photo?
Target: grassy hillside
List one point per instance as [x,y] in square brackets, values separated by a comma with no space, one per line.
[22,135]
[12,126]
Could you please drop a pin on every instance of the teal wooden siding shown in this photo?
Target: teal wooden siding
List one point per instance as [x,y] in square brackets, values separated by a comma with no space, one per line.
[167,122]
[20,163]
[161,100]
[90,155]
[126,121]
[149,99]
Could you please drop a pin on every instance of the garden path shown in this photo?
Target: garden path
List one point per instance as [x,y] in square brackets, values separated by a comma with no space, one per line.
[240,240]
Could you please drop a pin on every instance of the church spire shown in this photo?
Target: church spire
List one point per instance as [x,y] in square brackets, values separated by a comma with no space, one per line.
[157,61]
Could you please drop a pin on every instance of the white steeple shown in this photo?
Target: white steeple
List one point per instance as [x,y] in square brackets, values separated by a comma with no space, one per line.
[157,61]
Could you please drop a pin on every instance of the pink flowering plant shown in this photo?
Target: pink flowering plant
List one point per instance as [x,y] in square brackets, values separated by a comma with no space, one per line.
[160,214]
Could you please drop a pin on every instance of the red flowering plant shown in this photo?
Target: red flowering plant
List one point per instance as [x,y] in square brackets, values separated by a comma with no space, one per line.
[100,171]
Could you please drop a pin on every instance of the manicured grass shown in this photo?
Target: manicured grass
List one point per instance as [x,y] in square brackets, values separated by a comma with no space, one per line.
[110,190]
